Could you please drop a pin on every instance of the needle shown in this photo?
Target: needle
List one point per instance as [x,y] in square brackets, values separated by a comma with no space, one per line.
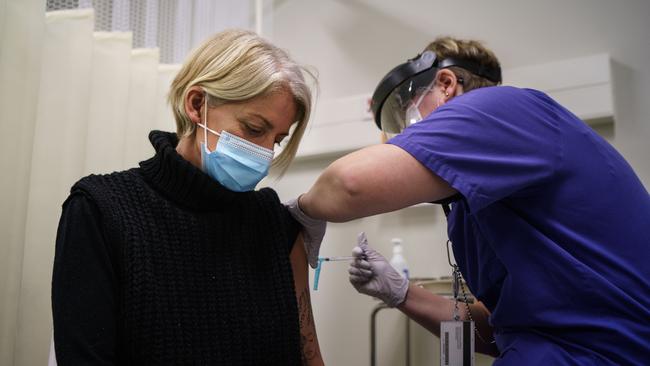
[335,259]
[327,259]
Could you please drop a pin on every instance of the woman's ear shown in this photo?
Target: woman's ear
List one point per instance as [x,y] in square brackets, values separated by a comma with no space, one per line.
[447,81]
[194,101]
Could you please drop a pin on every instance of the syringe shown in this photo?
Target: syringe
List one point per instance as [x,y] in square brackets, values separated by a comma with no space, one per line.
[335,259]
[327,259]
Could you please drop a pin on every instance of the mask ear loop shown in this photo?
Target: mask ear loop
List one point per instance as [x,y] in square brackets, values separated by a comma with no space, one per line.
[205,125]
[205,122]
[426,91]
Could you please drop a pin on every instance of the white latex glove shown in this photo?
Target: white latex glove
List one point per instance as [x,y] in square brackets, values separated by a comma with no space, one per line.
[312,233]
[371,274]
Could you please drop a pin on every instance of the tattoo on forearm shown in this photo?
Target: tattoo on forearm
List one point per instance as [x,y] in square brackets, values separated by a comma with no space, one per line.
[308,341]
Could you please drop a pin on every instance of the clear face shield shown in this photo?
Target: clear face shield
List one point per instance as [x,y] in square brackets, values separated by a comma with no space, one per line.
[396,100]
[401,107]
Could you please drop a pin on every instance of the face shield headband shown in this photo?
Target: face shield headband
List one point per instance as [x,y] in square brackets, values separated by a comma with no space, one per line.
[405,85]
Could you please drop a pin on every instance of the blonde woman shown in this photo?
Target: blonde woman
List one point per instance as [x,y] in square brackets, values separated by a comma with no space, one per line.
[180,260]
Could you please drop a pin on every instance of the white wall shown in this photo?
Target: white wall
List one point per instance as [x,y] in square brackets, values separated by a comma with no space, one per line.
[354,43]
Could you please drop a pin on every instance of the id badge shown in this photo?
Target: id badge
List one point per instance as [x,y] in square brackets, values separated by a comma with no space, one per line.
[457,343]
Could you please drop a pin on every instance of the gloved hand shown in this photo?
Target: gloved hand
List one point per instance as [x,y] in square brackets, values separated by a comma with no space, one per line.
[312,233]
[371,274]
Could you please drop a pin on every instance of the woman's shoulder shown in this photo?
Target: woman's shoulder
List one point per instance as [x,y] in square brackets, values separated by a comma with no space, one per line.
[105,179]
[94,186]
[270,196]
[290,226]
[268,193]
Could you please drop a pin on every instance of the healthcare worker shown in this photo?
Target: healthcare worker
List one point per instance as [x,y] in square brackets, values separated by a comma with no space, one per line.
[548,223]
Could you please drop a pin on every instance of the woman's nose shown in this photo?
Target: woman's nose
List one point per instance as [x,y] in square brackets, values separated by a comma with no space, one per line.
[268,143]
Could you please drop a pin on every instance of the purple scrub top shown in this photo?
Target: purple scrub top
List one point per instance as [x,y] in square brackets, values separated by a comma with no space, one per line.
[553,231]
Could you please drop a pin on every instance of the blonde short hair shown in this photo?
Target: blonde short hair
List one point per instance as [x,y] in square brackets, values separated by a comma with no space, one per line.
[470,50]
[238,65]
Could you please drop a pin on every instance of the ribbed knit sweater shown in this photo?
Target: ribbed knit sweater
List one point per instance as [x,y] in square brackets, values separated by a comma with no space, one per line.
[202,274]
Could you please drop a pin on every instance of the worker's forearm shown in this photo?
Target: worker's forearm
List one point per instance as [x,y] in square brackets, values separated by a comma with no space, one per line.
[480,316]
[428,310]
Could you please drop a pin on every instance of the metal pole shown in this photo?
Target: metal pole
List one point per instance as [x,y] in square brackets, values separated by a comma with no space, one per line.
[408,341]
[373,331]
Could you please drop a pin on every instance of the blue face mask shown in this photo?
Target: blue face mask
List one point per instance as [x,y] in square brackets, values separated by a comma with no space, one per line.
[236,163]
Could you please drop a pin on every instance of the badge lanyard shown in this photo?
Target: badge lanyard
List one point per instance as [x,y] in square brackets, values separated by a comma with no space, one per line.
[457,336]
[457,279]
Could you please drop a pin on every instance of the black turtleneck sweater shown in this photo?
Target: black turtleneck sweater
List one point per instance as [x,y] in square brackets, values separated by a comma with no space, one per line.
[161,265]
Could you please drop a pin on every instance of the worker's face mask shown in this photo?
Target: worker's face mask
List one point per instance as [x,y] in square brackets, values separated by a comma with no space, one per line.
[412,113]
[236,163]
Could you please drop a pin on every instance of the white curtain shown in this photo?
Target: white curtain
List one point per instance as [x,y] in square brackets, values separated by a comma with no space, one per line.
[58,157]
[141,105]
[109,91]
[75,101]
[22,25]
[173,26]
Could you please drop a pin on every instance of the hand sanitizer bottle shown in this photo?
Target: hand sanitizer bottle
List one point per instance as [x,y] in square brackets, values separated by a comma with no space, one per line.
[397,261]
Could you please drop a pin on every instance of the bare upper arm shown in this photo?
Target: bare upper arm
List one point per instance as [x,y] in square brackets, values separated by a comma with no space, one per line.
[298,259]
[376,179]
[309,347]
